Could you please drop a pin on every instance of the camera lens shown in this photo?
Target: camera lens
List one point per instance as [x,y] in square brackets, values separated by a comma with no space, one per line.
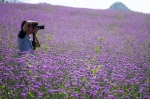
[40,26]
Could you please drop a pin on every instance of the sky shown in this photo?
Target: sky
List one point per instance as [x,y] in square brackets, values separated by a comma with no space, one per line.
[134,5]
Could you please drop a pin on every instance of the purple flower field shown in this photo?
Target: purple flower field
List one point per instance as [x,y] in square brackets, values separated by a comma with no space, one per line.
[84,54]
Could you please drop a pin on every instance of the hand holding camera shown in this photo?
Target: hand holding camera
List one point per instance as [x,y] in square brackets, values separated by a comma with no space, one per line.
[35,30]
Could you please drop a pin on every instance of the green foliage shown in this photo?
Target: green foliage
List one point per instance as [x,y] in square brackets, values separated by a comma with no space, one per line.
[143,44]
[44,47]
[128,90]
[3,86]
[127,41]
[38,36]
[149,51]
[148,62]
[59,49]
[96,49]
[149,45]
[9,45]
[101,38]
[127,47]
[28,72]
[31,95]
[146,19]
[48,37]
[113,88]
[84,79]
[127,50]
[1,57]
[8,37]
[112,26]
[95,70]
[92,61]
[0,31]
[119,17]
[149,89]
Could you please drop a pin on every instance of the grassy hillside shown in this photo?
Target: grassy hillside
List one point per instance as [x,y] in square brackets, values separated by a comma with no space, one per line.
[84,54]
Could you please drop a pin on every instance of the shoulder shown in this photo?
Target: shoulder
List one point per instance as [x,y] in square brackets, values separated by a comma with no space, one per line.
[23,40]
[21,34]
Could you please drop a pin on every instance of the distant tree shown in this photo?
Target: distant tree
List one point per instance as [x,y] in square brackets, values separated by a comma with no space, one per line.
[10,1]
[2,1]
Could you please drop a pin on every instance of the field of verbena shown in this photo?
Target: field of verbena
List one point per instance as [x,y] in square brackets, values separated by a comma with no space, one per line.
[84,54]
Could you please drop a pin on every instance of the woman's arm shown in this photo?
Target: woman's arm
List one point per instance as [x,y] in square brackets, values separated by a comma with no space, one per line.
[36,39]
[37,42]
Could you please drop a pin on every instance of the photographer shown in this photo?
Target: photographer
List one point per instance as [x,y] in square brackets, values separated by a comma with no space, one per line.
[24,41]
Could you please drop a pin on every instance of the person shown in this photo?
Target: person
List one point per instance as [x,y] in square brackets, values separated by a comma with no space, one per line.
[24,41]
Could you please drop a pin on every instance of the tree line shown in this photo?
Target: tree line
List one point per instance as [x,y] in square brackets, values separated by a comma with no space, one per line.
[10,1]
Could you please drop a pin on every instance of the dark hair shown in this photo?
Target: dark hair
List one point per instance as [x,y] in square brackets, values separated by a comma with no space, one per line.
[22,24]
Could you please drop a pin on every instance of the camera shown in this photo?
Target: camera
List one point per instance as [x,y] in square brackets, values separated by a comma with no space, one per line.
[39,26]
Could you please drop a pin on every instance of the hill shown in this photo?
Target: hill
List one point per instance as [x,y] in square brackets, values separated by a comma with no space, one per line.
[119,6]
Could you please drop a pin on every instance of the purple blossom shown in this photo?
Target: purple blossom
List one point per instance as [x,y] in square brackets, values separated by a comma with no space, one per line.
[40,95]
[23,95]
